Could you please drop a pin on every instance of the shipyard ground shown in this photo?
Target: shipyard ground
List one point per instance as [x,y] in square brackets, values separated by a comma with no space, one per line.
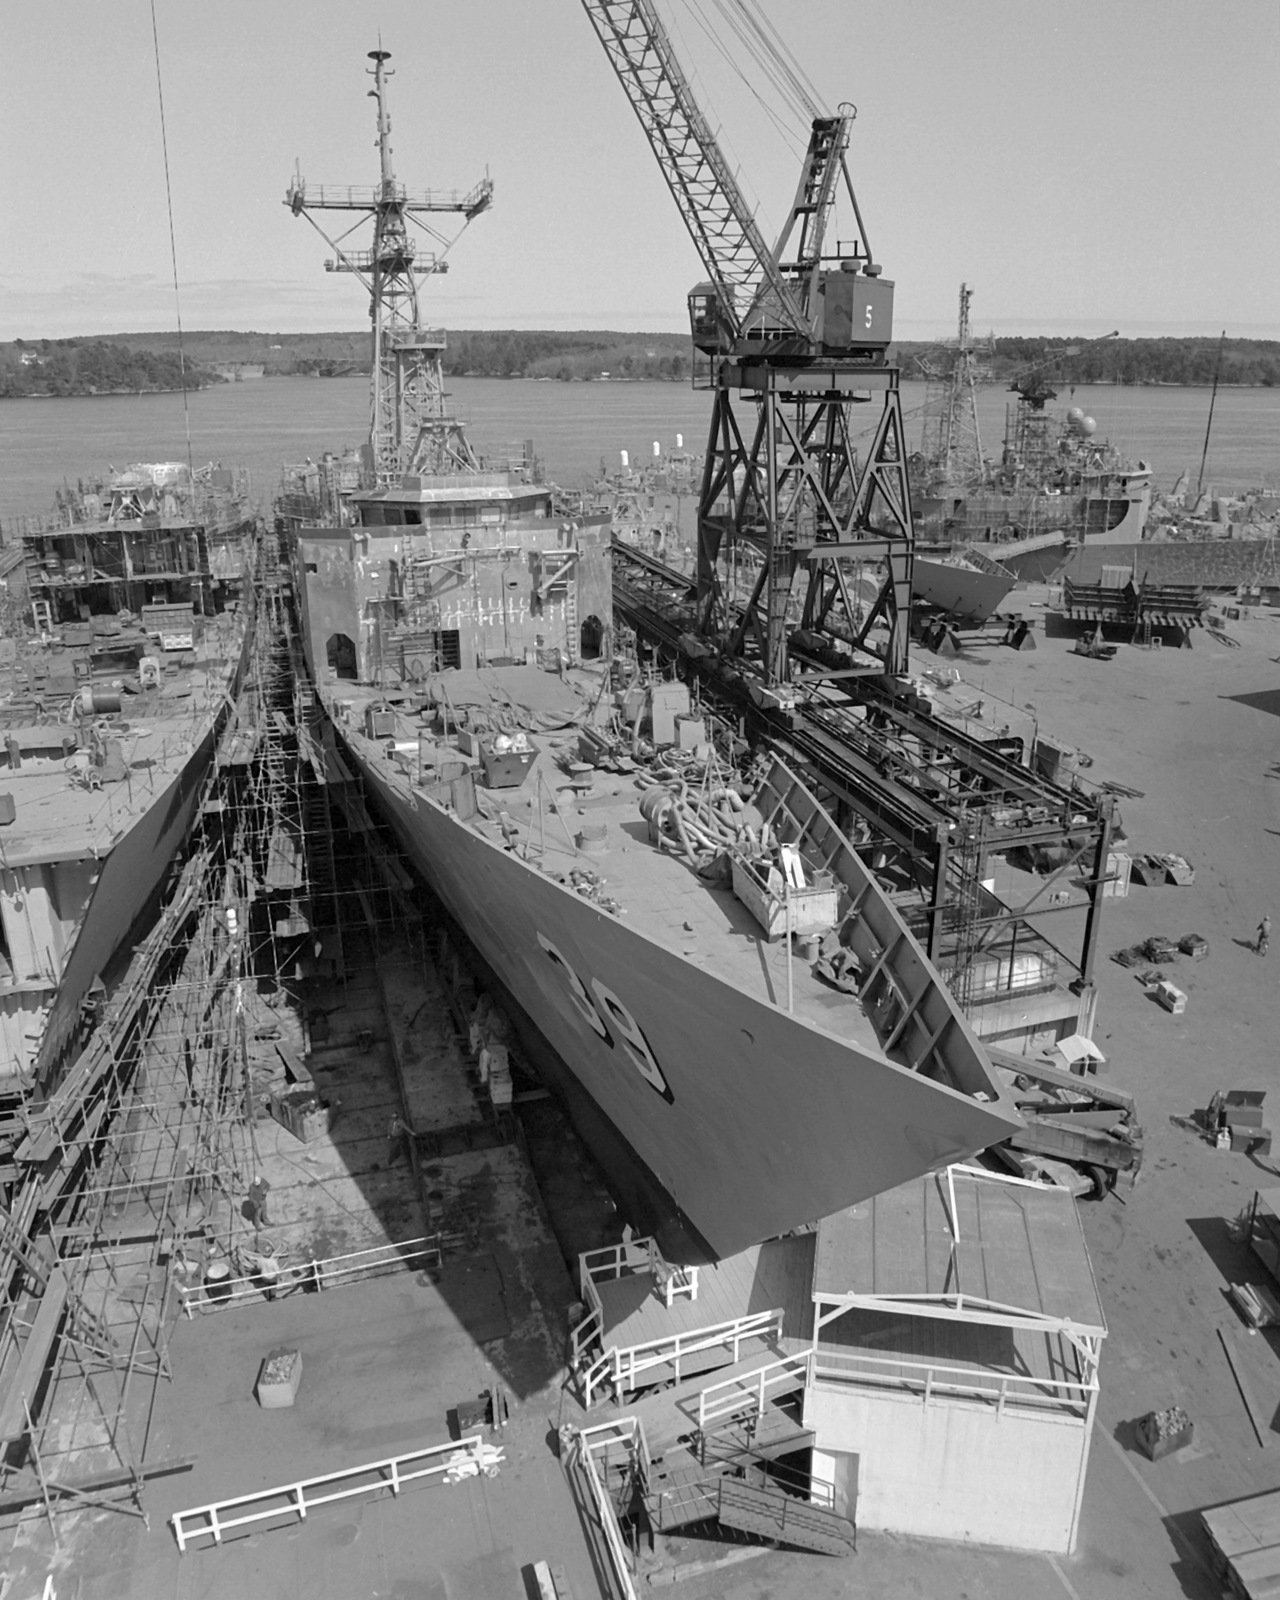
[387,1359]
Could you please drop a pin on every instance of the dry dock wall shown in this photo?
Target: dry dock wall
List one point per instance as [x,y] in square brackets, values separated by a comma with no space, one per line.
[955,1470]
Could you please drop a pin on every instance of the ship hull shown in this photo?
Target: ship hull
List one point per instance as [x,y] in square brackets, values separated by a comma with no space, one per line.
[753,1122]
[960,591]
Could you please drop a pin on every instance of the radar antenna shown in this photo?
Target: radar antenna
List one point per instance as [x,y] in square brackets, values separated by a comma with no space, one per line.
[410,430]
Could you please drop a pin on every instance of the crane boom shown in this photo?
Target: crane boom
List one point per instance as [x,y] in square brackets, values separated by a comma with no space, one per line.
[720,222]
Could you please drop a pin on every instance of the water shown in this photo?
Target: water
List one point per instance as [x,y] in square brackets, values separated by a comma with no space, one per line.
[575,427]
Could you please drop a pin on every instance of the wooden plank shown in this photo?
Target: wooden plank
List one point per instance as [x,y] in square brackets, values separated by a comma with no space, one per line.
[1259,1525]
[1258,1574]
[1255,1565]
[1235,1361]
[1244,1524]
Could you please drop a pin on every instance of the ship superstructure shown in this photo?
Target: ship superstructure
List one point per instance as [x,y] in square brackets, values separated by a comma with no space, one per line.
[430,557]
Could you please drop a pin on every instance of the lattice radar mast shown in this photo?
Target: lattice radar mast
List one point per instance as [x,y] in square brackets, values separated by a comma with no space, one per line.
[802,331]
[410,430]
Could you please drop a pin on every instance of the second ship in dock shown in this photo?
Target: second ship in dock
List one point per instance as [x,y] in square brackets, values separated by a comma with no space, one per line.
[635,899]
[125,621]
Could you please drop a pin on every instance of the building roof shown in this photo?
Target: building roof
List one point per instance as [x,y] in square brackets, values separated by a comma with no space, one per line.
[1020,1255]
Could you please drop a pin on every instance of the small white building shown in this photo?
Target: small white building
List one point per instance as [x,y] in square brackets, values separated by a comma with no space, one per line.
[955,1370]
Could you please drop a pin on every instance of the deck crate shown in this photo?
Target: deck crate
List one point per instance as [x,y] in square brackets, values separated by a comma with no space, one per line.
[278,1378]
[813,909]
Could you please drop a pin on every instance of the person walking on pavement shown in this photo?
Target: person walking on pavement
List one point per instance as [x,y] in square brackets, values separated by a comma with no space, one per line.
[1264,935]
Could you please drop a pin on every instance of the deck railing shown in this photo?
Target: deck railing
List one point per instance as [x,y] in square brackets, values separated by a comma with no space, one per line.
[629,1259]
[320,1273]
[623,1367]
[844,1369]
[466,1457]
[723,1399]
[930,1380]
[585,1445]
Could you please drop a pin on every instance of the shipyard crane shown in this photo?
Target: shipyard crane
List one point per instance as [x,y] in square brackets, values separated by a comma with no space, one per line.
[410,429]
[1030,451]
[1034,383]
[799,331]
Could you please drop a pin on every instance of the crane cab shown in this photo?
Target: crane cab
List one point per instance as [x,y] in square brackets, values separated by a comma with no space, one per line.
[856,312]
[710,320]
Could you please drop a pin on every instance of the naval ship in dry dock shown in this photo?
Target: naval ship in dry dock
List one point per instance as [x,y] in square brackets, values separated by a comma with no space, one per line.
[633,896]
[123,639]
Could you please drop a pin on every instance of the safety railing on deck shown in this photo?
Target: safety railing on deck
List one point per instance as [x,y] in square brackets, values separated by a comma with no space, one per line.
[842,1369]
[720,1400]
[930,1380]
[467,1457]
[584,1445]
[629,1259]
[624,1367]
[326,1273]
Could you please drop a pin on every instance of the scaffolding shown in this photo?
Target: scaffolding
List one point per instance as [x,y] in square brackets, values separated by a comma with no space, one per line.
[124,1184]
[137,1163]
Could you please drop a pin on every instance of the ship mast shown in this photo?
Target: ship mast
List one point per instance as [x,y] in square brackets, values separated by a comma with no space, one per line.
[410,430]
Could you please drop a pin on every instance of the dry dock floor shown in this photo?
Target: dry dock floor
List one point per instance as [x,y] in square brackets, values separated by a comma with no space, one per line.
[385,1359]
[1197,731]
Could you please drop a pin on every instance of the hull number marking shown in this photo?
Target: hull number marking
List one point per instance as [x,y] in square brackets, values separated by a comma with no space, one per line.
[605,1014]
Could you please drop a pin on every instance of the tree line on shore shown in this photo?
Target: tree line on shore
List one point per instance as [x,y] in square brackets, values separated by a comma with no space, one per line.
[1249,362]
[129,363]
[60,367]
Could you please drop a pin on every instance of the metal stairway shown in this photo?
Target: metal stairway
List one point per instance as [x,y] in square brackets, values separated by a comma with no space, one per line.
[750,1435]
[675,1497]
[772,1513]
[727,1477]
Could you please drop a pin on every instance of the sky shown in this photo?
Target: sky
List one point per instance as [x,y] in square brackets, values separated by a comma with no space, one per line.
[1082,167]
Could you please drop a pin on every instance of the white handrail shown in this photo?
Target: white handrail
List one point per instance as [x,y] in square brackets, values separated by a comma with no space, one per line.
[604,1508]
[840,1367]
[714,1333]
[324,1273]
[468,1452]
[721,1399]
[752,1386]
[624,1365]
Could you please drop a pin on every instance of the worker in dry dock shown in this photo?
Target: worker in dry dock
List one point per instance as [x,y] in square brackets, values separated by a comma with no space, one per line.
[1263,943]
[254,1209]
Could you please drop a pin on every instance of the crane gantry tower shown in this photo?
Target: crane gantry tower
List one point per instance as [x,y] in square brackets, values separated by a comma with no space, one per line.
[797,333]
[410,429]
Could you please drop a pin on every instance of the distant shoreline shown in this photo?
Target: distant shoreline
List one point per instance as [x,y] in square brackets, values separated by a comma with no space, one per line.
[521,377]
[124,363]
